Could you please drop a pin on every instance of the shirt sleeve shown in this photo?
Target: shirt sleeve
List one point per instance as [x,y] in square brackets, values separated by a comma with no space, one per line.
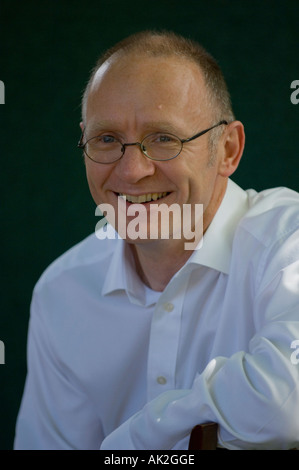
[55,413]
[252,395]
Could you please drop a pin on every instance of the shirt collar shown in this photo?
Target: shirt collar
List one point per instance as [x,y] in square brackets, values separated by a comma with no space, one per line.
[215,251]
[121,274]
[216,248]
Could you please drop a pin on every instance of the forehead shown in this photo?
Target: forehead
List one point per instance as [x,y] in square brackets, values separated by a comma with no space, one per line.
[138,83]
[151,72]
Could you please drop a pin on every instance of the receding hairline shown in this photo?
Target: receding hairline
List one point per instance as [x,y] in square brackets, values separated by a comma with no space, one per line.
[169,44]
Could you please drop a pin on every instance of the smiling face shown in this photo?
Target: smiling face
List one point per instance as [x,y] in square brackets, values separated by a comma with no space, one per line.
[134,96]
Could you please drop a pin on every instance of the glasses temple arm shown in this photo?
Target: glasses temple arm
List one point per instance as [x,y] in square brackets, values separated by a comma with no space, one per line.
[204,132]
[80,143]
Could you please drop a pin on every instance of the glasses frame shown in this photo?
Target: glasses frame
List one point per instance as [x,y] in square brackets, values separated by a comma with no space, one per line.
[128,144]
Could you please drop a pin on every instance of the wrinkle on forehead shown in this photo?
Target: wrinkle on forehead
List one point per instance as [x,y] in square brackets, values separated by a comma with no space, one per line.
[174,84]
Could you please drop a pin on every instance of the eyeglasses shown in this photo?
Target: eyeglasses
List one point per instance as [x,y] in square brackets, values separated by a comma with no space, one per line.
[159,146]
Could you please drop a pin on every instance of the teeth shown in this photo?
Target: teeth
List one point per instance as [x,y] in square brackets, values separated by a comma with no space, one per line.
[143,198]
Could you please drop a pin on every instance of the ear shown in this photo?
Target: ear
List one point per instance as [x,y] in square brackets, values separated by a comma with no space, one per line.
[232,148]
[82,126]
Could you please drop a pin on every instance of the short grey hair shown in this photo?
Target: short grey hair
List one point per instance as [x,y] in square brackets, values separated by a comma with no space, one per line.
[166,43]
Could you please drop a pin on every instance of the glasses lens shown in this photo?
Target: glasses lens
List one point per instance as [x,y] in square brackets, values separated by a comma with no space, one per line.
[103,149]
[161,146]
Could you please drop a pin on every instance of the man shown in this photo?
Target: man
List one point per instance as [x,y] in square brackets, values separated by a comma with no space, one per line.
[133,340]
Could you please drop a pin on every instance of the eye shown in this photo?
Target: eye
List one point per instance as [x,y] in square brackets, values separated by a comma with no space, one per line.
[162,139]
[102,143]
[104,140]
[107,139]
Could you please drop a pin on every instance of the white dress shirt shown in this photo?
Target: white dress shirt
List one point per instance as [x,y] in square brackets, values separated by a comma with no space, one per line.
[115,365]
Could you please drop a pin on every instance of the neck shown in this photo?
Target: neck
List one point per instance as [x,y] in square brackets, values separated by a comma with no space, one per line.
[156,265]
[157,261]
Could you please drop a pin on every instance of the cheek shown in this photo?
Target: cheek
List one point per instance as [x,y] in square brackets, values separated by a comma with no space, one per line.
[96,179]
[198,181]
[188,176]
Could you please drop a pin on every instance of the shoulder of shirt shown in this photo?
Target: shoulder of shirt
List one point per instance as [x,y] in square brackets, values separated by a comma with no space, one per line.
[272,214]
[89,251]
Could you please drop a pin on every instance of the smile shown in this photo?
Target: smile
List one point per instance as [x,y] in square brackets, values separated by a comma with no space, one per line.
[143,197]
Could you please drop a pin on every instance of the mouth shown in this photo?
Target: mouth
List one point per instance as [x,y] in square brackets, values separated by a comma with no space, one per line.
[143,198]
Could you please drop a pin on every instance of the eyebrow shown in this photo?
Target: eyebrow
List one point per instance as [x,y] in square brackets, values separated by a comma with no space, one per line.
[99,125]
[165,126]
[151,126]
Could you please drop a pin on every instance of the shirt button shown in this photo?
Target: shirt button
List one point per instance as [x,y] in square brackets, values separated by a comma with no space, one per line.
[168,306]
[161,380]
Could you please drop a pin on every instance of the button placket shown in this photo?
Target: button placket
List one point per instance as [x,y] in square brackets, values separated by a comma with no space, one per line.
[164,338]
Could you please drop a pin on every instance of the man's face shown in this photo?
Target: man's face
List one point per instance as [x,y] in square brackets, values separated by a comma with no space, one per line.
[136,96]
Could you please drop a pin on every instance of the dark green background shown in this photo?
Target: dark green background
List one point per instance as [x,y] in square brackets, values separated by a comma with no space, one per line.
[47,51]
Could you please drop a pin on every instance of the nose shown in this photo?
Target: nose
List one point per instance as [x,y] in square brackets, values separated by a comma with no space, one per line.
[134,165]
